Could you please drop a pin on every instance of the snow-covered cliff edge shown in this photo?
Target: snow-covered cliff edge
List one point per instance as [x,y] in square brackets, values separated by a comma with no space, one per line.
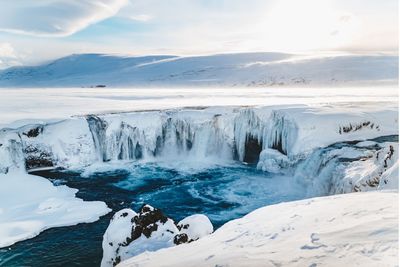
[219,134]
[341,230]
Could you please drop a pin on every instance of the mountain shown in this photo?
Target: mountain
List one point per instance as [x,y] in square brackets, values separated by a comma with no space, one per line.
[240,69]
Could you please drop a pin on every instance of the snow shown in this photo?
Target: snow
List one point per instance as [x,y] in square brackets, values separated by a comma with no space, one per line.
[31,204]
[118,244]
[209,134]
[272,161]
[336,170]
[291,126]
[229,70]
[27,106]
[130,233]
[340,230]
[195,226]
[390,178]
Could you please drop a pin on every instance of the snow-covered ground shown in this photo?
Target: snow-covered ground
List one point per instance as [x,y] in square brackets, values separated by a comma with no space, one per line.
[358,229]
[229,70]
[30,204]
[23,106]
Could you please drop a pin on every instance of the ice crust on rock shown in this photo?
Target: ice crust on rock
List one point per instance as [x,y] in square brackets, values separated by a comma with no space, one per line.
[272,161]
[195,227]
[130,233]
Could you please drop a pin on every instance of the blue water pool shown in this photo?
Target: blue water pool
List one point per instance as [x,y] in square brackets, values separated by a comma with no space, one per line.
[222,193]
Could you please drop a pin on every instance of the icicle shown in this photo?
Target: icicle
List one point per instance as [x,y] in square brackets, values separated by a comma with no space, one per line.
[98,130]
[247,128]
[11,153]
[280,132]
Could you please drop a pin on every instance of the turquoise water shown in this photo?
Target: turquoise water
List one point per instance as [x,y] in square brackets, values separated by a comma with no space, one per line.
[221,192]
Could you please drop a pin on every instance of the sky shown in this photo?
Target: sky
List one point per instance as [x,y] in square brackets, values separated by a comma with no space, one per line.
[34,31]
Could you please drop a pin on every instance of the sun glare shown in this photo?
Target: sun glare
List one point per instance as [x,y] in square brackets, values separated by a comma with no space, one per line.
[306,25]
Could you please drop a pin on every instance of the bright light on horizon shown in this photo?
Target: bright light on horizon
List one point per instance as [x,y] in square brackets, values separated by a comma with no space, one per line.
[32,33]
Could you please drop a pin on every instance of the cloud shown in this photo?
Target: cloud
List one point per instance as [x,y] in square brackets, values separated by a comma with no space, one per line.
[54,17]
[141,17]
[6,50]
[8,56]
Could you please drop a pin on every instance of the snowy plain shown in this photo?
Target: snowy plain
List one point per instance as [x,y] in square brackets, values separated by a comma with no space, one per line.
[28,105]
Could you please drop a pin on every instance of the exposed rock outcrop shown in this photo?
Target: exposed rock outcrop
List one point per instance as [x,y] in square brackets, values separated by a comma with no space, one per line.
[131,233]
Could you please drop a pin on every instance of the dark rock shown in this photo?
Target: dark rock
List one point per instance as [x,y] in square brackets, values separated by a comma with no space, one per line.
[146,222]
[181,238]
[252,150]
[36,158]
[34,132]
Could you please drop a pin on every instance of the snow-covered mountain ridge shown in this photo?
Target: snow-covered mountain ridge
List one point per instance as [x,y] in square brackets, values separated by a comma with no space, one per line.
[241,69]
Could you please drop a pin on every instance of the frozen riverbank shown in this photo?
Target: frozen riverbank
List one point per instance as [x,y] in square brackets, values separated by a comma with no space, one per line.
[31,204]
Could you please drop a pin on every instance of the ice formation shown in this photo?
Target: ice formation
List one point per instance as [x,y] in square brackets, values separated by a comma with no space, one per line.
[31,204]
[272,138]
[344,169]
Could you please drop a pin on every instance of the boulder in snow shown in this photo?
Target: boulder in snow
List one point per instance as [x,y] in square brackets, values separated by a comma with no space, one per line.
[131,233]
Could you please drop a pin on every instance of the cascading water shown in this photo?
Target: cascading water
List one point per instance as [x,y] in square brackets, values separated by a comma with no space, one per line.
[98,130]
[174,137]
[280,133]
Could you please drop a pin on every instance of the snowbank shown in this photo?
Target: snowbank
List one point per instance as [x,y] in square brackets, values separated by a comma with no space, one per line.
[31,204]
[341,230]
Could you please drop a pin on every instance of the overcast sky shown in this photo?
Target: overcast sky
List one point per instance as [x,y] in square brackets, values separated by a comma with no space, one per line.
[33,31]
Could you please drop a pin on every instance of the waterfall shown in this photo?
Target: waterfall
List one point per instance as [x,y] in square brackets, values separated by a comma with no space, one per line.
[177,137]
[252,134]
[242,135]
[124,144]
[280,132]
[98,130]
[11,153]
[248,129]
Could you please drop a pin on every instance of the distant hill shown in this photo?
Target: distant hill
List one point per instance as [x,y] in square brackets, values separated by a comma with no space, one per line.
[240,69]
